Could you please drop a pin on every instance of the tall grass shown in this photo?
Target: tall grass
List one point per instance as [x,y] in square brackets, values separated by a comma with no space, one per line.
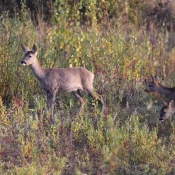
[126,139]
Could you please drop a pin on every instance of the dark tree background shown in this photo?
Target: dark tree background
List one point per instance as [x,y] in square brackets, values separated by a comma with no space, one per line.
[157,14]
[13,7]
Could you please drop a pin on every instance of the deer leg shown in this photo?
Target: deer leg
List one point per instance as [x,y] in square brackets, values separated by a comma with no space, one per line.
[96,96]
[50,102]
[79,96]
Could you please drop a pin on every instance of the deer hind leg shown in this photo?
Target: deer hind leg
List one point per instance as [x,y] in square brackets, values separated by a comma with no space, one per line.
[50,102]
[80,98]
[96,96]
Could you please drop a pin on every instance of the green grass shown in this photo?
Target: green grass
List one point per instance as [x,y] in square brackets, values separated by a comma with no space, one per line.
[126,138]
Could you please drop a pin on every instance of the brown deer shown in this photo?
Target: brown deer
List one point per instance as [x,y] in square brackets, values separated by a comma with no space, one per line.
[167,110]
[155,86]
[66,79]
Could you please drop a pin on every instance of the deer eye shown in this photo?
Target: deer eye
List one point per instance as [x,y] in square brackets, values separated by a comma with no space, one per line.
[164,112]
[150,85]
[30,56]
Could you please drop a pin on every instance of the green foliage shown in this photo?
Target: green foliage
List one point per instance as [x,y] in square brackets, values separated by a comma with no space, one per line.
[13,33]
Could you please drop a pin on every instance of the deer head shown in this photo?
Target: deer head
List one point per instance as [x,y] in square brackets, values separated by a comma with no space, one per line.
[153,85]
[167,110]
[30,55]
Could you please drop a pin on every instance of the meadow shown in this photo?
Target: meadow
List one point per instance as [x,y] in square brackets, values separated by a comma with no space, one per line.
[126,138]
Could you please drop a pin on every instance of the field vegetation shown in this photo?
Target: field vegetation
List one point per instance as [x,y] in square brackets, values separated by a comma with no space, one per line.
[122,43]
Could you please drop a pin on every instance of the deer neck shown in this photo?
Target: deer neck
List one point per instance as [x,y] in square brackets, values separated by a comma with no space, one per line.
[38,70]
[163,90]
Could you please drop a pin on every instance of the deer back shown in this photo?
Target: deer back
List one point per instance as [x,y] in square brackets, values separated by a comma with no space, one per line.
[68,79]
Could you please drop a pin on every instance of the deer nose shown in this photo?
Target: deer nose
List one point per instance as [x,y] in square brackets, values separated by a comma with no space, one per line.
[23,62]
[161,119]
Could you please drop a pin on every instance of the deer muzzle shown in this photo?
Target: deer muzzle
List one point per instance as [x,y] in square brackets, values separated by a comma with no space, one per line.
[146,90]
[161,119]
[23,63]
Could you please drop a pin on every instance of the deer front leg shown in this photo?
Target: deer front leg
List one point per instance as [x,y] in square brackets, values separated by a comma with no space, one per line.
[50,102]
[78,95]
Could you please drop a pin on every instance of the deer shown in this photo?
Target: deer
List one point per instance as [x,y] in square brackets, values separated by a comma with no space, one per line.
[168,107]
[167,110]
[155,86]
[51,80]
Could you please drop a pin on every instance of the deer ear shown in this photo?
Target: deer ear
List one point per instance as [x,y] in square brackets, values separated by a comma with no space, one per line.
[155,79]
[145,81]
[164,103]
[24,48]
[171,104]
[152,78]
[34,49]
